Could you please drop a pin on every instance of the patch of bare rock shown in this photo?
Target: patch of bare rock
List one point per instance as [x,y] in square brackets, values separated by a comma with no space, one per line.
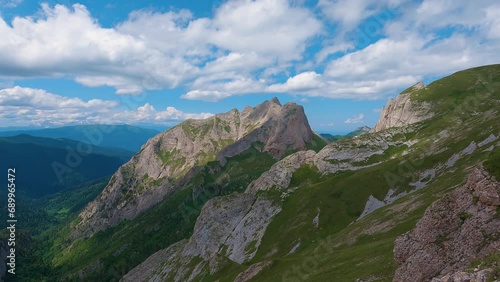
[461,227]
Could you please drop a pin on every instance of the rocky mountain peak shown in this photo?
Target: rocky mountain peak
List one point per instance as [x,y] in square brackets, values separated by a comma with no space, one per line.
[363,129]
[280,128]
[418,86]
[151,175]
[257,114]
[403,110]
[276,101]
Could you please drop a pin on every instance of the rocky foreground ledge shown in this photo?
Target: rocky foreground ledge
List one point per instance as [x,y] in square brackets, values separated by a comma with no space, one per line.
[455,230]
[484,275]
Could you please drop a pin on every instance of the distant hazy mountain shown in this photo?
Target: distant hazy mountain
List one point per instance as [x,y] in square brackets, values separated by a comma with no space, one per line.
[45,166]
[359,131]
[332,138]
[125,137]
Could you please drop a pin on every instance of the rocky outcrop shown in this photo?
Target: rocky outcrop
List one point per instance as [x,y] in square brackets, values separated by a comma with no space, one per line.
[403,110]
[371,205]
[231,223]
[228,227]
[252,271]
[477,276]
[363,129]
[151,175]
[280,174]
[453,231]
[282,130]
[148,268]
[345,155]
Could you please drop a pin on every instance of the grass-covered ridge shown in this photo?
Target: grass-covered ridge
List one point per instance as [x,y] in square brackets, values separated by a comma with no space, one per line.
[317,143]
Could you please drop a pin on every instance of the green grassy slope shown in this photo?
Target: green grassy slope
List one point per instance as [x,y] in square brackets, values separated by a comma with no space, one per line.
[343,249]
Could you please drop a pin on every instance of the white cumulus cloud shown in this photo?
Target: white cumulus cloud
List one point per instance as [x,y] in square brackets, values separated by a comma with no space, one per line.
[151,50]
[301,82]
[20,106]
[356,119]
[355,49]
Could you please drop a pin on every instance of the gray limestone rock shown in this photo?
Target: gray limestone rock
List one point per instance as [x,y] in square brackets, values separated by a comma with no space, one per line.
[151,175]
[403,111]
[228,227]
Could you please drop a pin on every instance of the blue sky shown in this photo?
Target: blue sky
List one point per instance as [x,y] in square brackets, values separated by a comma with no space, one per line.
[160,62]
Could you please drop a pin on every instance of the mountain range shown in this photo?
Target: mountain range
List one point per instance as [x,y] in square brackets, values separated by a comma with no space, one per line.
[358,131]
[257,195]
[125,137]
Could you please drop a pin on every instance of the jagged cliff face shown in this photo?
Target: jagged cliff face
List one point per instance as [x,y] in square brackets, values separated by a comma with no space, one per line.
[403,110]
[229,227]
[164,160]
[453,231]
